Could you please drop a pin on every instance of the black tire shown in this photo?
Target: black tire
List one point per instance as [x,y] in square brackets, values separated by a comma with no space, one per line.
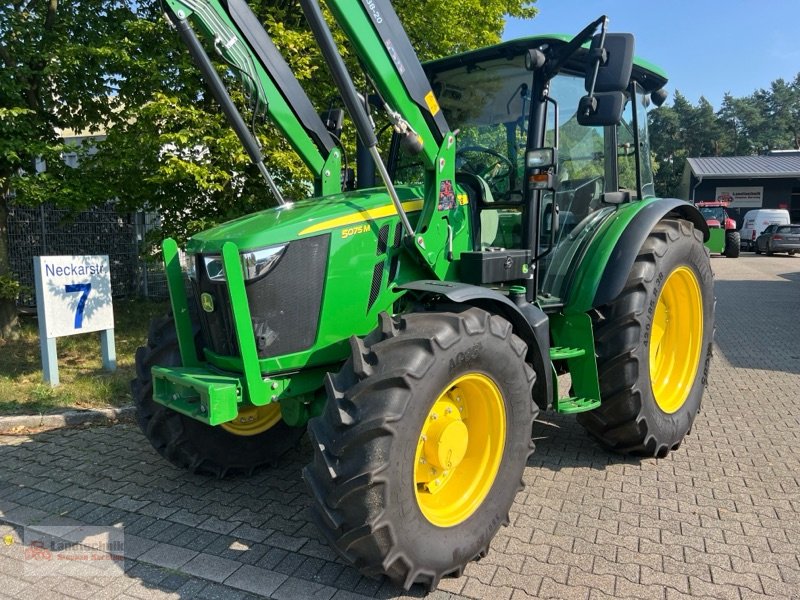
[733,243]
[190,444]
[629,420]
[362,479]
[757,249]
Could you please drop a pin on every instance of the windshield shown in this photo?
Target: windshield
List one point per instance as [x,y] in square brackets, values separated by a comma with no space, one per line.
[716,213]
[487,105]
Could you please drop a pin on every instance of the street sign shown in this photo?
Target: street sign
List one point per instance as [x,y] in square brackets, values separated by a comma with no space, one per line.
[73,295]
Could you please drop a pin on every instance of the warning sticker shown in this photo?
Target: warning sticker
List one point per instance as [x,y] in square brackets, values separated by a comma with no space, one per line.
[433,105]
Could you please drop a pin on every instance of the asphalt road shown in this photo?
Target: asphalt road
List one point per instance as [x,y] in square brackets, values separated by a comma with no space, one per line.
[719,518]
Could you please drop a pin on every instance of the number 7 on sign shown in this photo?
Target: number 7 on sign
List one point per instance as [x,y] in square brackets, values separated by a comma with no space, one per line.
[84,288]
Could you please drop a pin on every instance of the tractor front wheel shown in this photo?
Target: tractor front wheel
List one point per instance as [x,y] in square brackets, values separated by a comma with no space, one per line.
[258,438]
[420,450]
[653,345]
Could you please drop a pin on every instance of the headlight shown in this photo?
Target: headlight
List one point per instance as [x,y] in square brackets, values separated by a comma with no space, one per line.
[191,267]
[260,262]
[255,263]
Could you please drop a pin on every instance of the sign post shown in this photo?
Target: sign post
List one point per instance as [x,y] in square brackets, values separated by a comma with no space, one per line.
[73,295]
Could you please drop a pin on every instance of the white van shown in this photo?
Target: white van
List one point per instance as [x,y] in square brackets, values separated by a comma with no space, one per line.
[756,221]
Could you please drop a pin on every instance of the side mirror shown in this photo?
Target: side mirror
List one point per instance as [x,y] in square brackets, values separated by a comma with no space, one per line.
[659,97]
[601,109]
[616,62]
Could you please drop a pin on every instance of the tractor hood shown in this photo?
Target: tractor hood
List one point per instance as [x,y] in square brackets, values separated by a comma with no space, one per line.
[304,218]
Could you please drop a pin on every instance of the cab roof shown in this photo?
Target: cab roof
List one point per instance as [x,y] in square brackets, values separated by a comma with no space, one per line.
[649,76]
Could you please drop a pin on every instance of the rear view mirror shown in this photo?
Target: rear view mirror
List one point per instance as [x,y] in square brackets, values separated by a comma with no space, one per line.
[601,109]
[616,62]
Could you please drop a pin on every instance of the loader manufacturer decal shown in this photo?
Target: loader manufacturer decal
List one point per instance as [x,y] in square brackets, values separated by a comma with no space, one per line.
[447,196]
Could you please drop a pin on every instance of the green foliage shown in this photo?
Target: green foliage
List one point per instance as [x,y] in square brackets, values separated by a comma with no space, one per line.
[9,288]
[120,70]
[765,120]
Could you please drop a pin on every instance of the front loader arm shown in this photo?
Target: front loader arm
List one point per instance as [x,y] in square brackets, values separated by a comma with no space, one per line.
[381,43]
[392,66]
[241,41]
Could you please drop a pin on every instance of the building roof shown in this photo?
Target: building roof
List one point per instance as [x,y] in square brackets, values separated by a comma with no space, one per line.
[733,167]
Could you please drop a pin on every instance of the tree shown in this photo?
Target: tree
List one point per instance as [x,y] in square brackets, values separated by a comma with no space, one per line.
[767,119]
[59,70]
[115,65]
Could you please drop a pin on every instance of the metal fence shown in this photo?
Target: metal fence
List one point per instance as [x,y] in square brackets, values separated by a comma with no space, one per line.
[45,230]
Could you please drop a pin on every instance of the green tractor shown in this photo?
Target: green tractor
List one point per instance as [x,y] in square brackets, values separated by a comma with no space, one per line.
[417,328]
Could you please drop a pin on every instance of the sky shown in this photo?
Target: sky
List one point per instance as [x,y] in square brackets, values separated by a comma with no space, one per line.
[707,47]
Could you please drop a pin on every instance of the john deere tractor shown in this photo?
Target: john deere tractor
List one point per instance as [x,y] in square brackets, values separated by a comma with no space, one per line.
[417,327]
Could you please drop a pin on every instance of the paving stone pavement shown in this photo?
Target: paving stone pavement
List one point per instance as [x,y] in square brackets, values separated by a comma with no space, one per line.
[719,518]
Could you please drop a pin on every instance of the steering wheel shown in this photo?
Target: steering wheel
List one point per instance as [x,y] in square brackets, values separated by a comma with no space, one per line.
[494,173]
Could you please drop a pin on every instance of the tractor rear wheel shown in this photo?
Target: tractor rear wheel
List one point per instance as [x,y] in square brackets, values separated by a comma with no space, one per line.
[733,242]
[241,446]
[420,450]
[653,345]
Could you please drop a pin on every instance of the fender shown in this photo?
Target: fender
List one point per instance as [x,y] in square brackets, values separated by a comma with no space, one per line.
[610,256]
[529,322]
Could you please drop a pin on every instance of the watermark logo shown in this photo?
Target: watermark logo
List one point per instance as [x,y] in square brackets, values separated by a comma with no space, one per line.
[63,551]
[8,539]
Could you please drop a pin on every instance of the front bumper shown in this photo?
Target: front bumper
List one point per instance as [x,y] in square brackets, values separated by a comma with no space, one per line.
[192,389]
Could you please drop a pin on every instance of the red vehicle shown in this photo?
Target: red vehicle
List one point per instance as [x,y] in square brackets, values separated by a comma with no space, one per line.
[724,238]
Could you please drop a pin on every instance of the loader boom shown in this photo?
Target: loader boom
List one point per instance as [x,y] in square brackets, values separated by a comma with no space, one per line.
[238,38]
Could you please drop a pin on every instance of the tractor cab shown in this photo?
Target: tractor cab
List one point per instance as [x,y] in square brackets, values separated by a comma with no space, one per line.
[508,111]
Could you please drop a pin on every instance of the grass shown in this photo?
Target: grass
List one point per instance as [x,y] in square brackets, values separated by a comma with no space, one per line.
[84,383]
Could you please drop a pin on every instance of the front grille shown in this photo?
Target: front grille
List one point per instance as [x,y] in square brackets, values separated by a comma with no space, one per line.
[284,304]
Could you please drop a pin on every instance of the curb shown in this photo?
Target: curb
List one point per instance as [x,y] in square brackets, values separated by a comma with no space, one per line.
[72,418]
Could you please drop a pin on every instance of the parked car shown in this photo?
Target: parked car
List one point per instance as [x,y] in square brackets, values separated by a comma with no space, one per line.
[779,238]
[756,221]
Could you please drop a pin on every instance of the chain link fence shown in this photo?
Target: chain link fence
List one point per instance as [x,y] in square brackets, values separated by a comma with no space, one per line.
[48,231]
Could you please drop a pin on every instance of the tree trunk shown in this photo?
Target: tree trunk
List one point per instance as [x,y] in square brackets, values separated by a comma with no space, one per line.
[8,308]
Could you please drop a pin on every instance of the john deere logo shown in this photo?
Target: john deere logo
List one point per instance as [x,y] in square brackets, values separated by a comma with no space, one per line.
[207,302]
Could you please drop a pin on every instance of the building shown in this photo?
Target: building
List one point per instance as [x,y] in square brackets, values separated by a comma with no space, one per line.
[748,182]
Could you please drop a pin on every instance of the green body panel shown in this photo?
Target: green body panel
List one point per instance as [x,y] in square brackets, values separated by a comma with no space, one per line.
[716,240]
[589,265]
[211,18]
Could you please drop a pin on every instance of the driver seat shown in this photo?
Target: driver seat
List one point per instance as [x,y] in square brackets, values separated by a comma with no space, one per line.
[485,222]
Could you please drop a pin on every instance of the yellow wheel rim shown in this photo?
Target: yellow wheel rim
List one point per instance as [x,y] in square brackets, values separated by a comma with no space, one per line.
[254,420]
[459,450]
[676,339]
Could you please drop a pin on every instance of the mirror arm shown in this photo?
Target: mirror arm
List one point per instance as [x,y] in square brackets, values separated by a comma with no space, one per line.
[598,58]
[573,45]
